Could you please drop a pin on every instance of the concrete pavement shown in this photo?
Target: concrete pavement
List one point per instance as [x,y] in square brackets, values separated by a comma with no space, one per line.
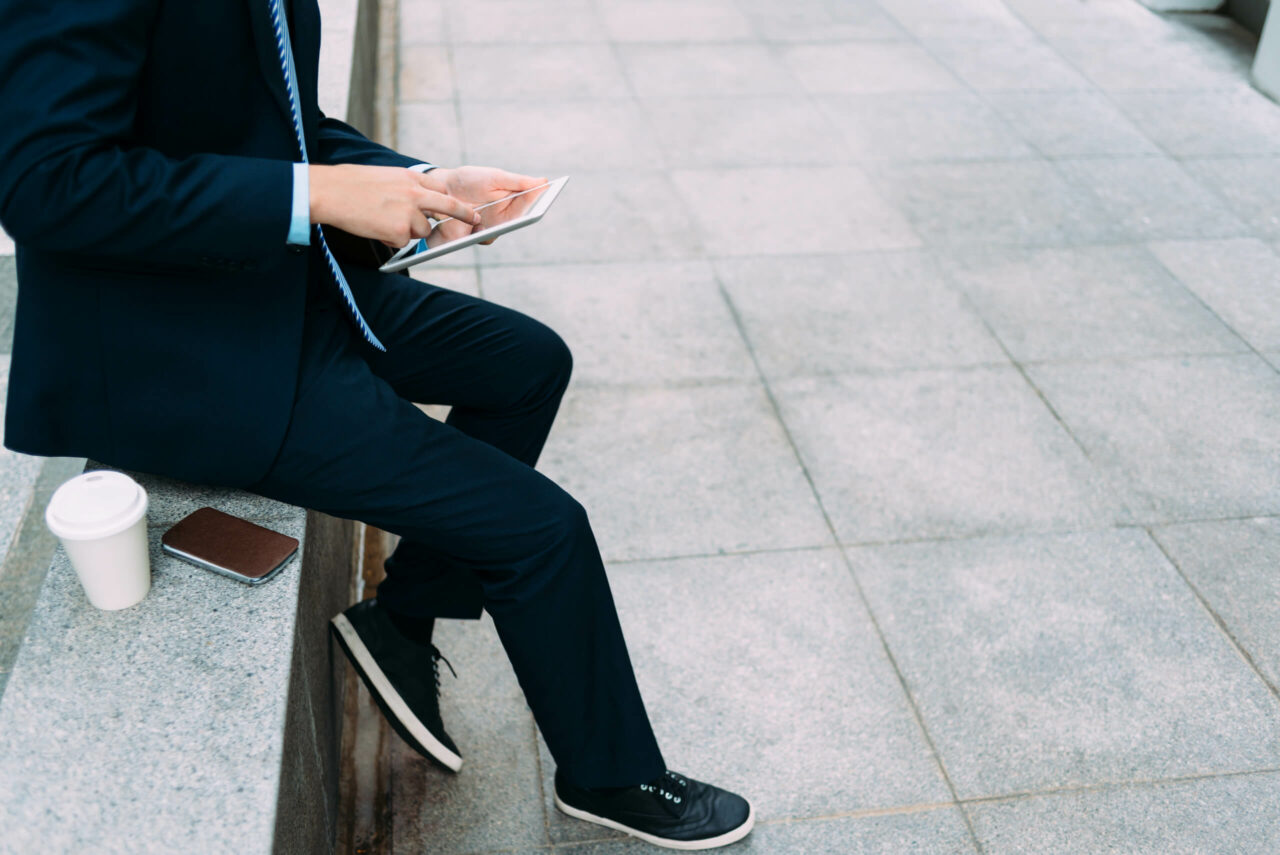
[927,410]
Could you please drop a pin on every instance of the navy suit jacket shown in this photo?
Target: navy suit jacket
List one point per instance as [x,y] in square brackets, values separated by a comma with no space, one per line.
[146,158]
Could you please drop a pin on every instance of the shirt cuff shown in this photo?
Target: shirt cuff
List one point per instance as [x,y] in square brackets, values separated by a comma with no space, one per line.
[422,167]
[300,217]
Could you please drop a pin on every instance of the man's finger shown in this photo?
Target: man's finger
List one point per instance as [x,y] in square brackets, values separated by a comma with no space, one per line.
[442,205]
[516,182]
[452,230]
[419,226]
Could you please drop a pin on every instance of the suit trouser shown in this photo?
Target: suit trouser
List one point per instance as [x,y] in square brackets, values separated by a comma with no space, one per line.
[480,528]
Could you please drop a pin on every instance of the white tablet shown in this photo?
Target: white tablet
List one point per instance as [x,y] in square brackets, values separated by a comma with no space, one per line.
[496,218]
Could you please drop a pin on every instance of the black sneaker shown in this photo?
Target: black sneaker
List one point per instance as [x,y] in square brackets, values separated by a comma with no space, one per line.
[403,677]
[671,811]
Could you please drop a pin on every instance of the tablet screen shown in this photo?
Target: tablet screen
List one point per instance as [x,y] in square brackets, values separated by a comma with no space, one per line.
[496,218]
[495,213]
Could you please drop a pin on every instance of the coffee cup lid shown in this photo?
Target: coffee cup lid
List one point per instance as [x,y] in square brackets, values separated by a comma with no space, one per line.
[95,504]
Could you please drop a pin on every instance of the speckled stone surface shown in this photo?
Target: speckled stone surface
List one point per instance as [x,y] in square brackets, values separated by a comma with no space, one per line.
[203,719]
[169,500]
[1239,814]
[155,728]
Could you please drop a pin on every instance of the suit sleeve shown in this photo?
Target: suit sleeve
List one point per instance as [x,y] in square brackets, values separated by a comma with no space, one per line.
[70,177]
[341,143]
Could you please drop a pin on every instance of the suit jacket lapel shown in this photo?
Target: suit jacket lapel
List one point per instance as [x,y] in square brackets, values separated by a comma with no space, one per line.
[264,38]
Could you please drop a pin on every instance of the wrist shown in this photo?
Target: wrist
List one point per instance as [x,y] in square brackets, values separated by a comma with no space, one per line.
[317,178]
[437,178]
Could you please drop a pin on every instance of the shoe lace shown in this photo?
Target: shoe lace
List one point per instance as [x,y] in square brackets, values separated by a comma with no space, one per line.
[436,658]
[669,787]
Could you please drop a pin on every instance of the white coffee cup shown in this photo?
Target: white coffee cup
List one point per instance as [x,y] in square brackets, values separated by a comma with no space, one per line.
[101,519]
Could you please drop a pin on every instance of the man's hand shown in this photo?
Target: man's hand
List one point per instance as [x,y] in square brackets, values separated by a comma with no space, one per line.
[475,185]
[386,203]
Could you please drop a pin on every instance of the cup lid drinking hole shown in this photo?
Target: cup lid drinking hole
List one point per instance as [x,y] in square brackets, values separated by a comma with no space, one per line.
[95,504]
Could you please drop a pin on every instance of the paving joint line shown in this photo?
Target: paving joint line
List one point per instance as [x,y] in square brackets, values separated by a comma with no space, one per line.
[1200,300]
[1218,620]
[866,603]
[963,294]
[1116,785]
[964,537]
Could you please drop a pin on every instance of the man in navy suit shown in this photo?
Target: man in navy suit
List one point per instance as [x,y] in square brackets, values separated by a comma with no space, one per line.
[166,173]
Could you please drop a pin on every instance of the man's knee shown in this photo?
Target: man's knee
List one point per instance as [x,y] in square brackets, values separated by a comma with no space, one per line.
[558,541]
[565,521]
[547,358]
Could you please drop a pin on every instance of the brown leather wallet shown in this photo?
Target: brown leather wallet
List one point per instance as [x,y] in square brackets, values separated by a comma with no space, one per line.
[229,545]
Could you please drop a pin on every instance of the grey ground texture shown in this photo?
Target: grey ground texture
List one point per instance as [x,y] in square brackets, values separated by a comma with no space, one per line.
[926,408]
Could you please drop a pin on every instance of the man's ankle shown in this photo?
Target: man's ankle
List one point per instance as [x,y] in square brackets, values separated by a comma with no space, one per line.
[415,629]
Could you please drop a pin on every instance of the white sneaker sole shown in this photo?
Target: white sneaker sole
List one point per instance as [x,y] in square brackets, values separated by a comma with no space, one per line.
[687,845]
[368,666]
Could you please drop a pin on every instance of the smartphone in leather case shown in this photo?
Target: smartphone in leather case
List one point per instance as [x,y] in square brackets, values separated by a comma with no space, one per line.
[229,545]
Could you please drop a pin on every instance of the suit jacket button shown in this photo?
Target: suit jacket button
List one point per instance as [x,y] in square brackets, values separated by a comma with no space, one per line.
[297,248]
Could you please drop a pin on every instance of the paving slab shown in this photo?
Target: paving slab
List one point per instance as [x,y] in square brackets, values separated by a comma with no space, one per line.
[482,670]
[558,137]
[930,213]
[522,21]
[951,126]
[1118,21]
[1004,202]
[1056,661]
[931,832]
[8,300]
[639,323]
[1187,438]
[988,20]
[878,311]
[1086,303]
[1235,278]
[738,211]
[743,131]
[1164,65]
[426,74]
[834,736]
[716,69]
[1008,64]
[940,453]
[1250,186]
[674,21]
[421,21]
[682,471]
[548,71]
[1231,123]
[493,803]
[1152,198]
[18,475]
[1070,124]
[820,20]
[430,131]
[605,216]
[867,67]
[1219,35]
[1232,564]
[1238,814]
